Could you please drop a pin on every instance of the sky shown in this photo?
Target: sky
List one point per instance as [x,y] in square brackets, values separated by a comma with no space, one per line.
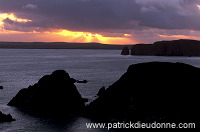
[101,21]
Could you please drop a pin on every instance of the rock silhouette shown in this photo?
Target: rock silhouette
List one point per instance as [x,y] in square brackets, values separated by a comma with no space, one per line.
[101,91]
[181,47]
[53,94]
[1,87]
[125,51]
[5,118]
[154,91]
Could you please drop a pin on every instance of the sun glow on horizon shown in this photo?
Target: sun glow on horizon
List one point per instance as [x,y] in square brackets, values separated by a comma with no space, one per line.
[62,34]
[77,36]
[65,36]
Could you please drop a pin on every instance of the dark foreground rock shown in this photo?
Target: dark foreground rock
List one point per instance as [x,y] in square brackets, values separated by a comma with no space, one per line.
[6,118]
[125,51]
[101,91]
[1,87]
[154,91]
[53,94]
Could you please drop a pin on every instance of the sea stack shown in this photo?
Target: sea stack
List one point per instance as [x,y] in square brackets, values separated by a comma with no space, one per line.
[53,94]
[125,51]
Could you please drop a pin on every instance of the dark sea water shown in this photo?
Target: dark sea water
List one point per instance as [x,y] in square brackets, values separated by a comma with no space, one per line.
[20,68]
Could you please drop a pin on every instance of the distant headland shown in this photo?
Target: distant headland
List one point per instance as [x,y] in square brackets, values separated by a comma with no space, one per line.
[182,47]
[57,45]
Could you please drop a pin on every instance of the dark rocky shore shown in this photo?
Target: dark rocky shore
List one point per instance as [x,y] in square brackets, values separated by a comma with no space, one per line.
[154,91]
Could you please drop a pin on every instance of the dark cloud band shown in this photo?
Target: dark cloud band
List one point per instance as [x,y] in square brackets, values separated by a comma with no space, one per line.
[104,15]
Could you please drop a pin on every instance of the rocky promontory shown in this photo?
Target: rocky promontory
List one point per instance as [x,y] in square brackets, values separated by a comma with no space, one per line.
[181,47]
[154,91]
[53,94]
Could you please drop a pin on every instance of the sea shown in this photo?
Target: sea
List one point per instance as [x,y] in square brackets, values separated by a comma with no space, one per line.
[20,68]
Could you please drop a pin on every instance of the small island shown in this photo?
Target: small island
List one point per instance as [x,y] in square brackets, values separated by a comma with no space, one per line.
[53,94]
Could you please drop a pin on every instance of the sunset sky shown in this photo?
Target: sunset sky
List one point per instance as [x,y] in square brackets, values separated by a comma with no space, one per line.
[102,21]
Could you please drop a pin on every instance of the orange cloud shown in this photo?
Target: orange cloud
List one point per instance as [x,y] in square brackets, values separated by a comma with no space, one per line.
[179,36]
[198,7]
[12,17]
[127,35]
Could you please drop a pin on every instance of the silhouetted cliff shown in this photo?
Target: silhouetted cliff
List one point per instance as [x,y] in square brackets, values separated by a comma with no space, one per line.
[155,91]
[168,48]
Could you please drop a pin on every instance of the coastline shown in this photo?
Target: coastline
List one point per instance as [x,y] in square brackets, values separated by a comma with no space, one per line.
[57,45]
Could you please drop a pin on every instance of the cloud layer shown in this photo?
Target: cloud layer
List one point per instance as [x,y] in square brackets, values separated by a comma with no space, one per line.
[105,16]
